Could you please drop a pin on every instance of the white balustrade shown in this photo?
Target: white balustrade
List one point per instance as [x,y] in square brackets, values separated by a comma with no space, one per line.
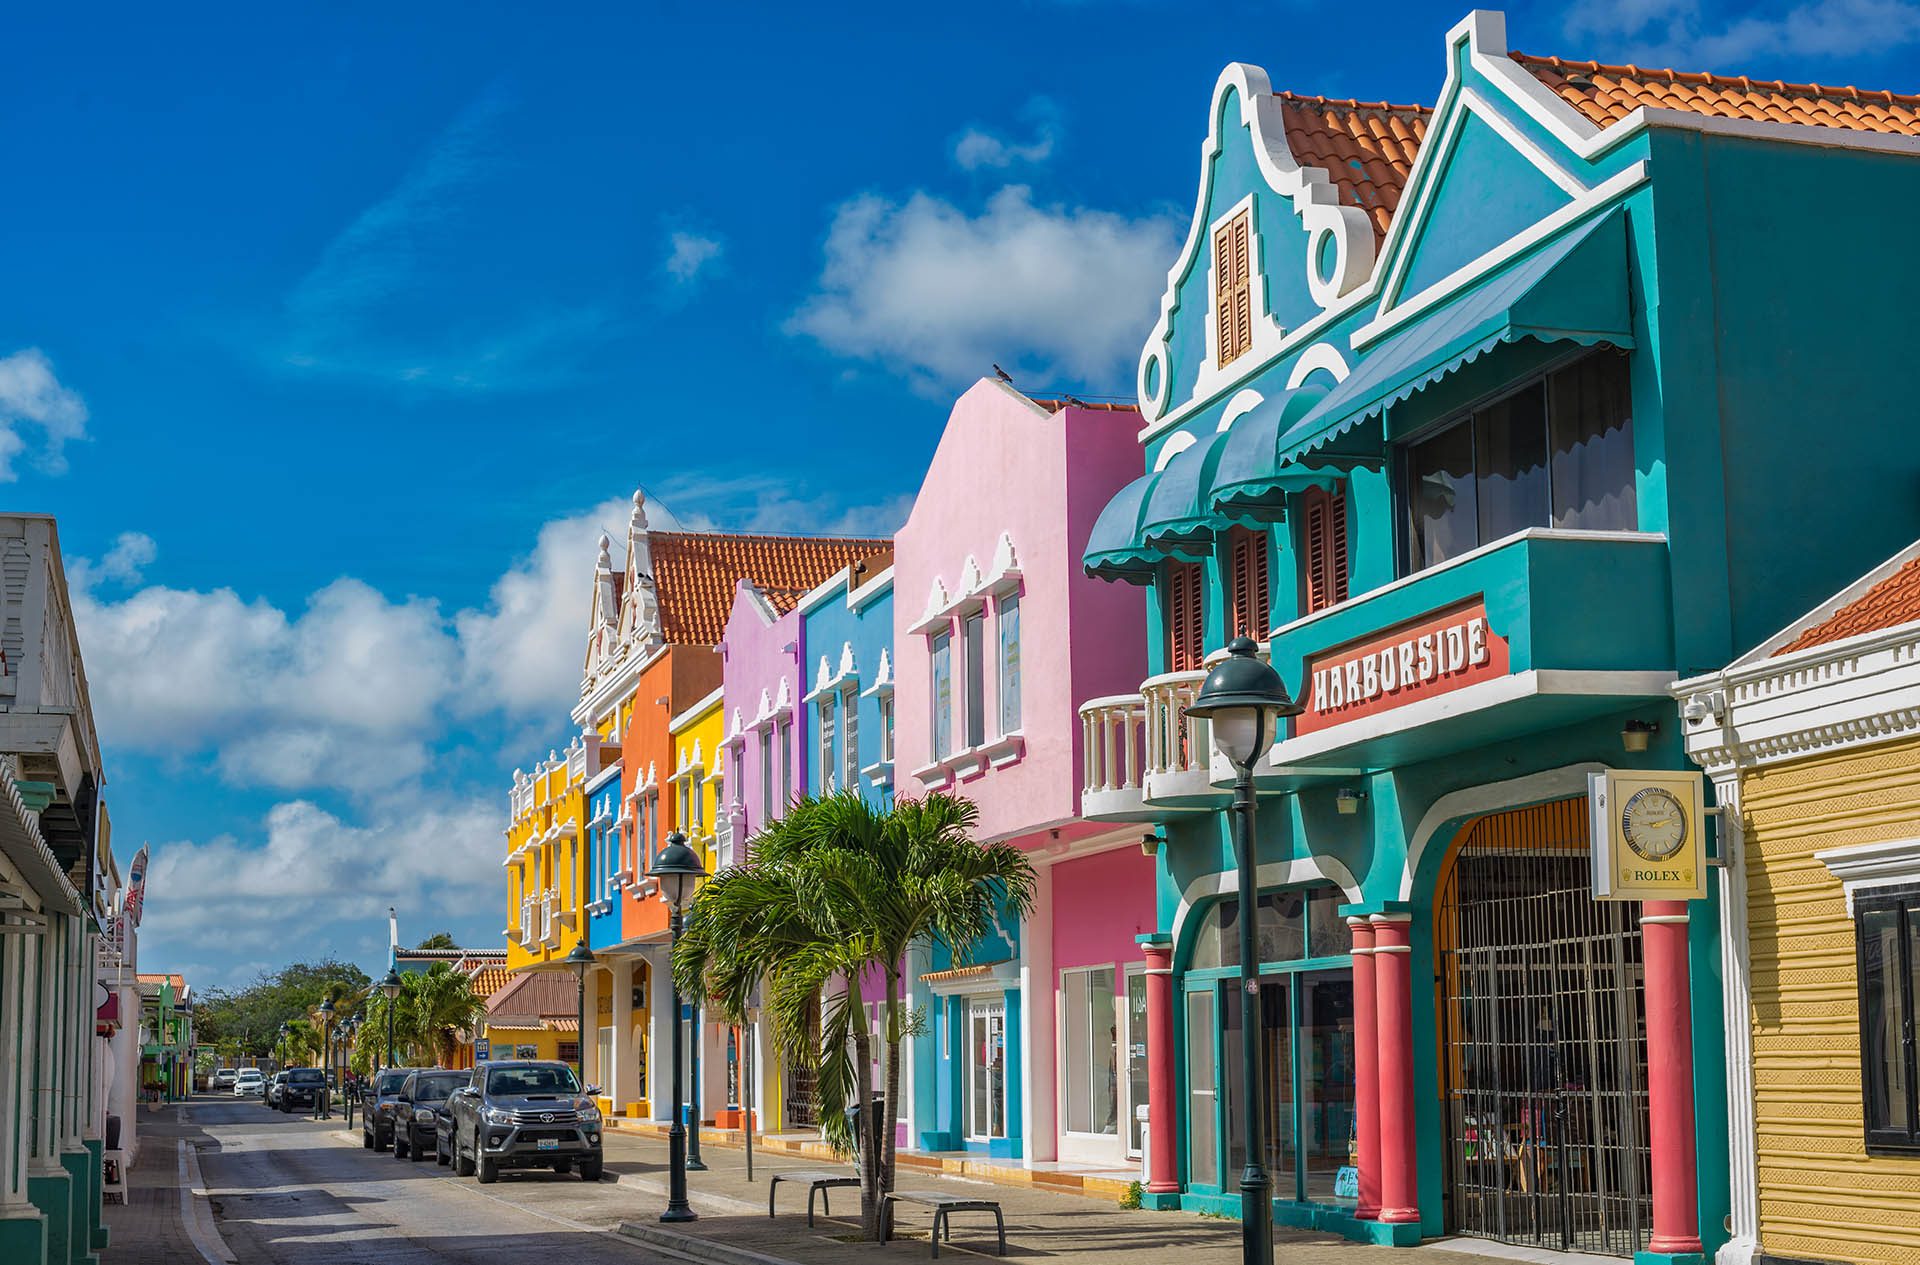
[1112,732]
[1176,742]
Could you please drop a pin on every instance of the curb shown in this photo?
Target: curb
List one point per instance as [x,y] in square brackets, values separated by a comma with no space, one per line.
[695,1247]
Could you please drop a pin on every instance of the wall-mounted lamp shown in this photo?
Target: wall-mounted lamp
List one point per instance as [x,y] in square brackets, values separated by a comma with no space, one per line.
[1347,800]
[1151,841]
[1637,734]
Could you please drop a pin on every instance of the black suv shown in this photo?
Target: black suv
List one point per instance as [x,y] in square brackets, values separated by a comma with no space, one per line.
[417,1111]
[300,1087]
[382,1093]
[523,1114]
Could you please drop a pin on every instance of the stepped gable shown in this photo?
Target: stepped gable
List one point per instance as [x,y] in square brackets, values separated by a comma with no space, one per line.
[695,573]
[1606,94]
[1365,147]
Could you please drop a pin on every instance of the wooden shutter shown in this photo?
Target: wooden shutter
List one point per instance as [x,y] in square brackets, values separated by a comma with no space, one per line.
[1185,625]
[1324,528]
[1232,289]
[1251,597]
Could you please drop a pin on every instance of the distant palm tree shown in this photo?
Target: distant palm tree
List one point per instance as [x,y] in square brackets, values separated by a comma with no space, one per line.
[443,1007]
[834,890]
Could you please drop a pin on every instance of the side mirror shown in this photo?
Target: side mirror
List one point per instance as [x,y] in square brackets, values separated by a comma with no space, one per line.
[591,1090]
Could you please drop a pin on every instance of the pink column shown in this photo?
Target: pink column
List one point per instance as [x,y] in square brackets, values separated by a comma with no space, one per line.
[1393,984]
[1676,1218]
[1163,1129]
[1366,1070]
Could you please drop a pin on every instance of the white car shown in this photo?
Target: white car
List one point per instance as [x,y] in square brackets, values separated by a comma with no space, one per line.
[223,1077]
[250,1083]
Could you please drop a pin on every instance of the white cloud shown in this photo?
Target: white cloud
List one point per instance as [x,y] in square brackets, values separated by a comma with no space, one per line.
[1685,35]
[30,395]
[776,504]
[689,253]
[925,288]
[977,148]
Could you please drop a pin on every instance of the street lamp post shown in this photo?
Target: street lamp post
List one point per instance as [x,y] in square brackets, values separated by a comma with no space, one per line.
[580,960]
[1243,697]
[326,1058]
[676,867]
[390,986]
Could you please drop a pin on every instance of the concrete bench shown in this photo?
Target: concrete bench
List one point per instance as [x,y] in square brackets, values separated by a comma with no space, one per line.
[817,1181]
[943,1206]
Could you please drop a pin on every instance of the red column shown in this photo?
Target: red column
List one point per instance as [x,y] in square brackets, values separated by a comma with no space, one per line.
[1393,983]
[1676,1217]
[1162,1126]
[1366,1070]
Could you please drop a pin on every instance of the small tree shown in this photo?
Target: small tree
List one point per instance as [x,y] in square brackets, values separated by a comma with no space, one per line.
[442,1004]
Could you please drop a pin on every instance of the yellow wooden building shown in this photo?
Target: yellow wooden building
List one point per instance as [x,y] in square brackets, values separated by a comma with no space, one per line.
[546,863]
[1813,745]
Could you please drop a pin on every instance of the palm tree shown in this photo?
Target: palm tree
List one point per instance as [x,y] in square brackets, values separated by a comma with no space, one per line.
[442,1005]
[838,889]
[298,1044]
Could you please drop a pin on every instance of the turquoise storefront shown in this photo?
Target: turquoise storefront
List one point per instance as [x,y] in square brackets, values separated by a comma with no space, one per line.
[1489,421]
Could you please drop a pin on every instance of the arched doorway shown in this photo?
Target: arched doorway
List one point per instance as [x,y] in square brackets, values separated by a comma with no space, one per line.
[1543,1055]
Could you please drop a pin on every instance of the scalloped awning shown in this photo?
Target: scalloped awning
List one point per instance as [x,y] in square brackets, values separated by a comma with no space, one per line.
[1572,290]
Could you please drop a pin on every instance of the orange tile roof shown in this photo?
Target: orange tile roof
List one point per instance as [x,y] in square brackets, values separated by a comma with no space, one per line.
[489,980]
[694,574]
[1365,147]
[560,1023]
[1606,94]
[1888,604]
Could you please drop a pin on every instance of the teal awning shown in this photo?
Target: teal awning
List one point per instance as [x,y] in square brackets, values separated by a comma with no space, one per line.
[1249,482]
[1115,549]
[1572,290]
[1178,509]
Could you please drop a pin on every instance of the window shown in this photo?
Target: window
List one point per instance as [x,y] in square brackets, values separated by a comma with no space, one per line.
[1323,547]
[766,776]
[886,728]
[1091,1047]
[850,740]
[942,648]
[1887,939]
[1232,289]
[986,1068]
[1557,452]
[786,764]
[686,796]
[1008,615]
[826,738]
[1182,610]
[972,641]
[1249,562]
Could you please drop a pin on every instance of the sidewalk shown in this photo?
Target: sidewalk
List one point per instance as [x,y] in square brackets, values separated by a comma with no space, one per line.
[152,1227]
[1040,1222]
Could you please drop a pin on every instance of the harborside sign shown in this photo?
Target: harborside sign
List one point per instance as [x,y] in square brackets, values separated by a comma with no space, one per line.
[1423,658]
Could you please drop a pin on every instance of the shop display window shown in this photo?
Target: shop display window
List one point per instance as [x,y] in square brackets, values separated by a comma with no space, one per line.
[1091,1041]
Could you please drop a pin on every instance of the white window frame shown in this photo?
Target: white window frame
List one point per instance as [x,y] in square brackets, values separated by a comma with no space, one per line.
[988,1002]
[973,637]
[1132,971]
[850,738]
[942,726]
[1010,602]
[823,717]
[1066,1068]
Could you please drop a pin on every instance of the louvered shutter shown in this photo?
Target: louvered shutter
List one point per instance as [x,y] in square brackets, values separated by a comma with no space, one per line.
[1325,529]
[1242,292]
[1184,622]
[1251,594]
[1223,293]
[1232,291]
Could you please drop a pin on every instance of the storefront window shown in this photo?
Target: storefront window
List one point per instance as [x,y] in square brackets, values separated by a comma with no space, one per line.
[1136,1055]
[1092,1048]
[1203,1074]
[986,1070]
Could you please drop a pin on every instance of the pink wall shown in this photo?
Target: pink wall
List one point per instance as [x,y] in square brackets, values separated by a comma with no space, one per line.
[1100,903]
[755,659]
[1006,466]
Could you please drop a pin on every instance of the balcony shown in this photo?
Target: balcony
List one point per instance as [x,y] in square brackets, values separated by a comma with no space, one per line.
[1143,759]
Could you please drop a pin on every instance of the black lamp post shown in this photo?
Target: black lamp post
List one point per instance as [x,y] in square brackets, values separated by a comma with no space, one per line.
[1243,697]
[676,867]
[390,986]
[580,959]
[326,1057]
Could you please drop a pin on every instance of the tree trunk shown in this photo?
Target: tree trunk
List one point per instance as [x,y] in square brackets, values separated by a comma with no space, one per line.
[889,1142]
[865,1142]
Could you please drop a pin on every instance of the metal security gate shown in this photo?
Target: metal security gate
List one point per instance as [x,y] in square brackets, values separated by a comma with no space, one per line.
[1543,1022]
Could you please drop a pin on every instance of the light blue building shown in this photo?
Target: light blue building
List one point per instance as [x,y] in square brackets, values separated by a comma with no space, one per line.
[1489,421]
[603,878]
[846,626]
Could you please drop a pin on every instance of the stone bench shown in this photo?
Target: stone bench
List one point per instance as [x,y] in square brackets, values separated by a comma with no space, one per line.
[943,1206]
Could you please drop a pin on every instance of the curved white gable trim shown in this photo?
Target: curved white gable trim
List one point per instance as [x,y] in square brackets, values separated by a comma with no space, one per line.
[1242,403]
[1173,448]
[1536,788]
[1315,200]
[1320,356]
[1298,872]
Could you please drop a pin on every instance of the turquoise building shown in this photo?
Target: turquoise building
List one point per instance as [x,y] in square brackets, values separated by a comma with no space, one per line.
[1488,420]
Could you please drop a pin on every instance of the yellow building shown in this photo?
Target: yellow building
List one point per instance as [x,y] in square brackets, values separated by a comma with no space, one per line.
[546,863]
[1813,745]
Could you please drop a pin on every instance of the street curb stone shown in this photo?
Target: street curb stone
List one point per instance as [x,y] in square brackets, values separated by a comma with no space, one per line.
[698,1248]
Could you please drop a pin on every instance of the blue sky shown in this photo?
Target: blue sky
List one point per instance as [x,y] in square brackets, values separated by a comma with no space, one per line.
[334,334]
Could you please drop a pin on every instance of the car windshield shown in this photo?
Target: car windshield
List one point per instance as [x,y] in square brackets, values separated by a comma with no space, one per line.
[390,1082]
[249,1075]
[434,1088]
[306,1076]
[509,1081]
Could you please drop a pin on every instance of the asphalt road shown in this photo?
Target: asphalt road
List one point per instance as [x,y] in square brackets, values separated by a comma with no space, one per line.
[287,1189]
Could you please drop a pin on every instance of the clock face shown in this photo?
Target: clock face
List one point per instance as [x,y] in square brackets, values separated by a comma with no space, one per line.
[1654,823]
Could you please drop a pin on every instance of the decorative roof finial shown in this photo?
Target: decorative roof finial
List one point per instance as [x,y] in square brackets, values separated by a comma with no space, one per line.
[606,553]
[639,523]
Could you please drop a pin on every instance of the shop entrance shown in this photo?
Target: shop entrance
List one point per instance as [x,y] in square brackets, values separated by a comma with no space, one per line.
[1543,1033]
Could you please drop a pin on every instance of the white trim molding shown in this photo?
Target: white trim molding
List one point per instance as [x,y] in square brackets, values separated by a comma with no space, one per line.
[1866,866]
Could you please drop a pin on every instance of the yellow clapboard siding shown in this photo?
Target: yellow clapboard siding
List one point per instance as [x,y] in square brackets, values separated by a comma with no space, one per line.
[1821,1194]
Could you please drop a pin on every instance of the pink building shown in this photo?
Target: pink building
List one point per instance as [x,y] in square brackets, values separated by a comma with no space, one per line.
[1035,1049]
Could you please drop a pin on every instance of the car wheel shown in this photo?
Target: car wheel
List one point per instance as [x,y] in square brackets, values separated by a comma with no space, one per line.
[462,1164]
[590,1170]
[414,1152]
[488,1170]
[563,1167]
[366,1139]
[399,1145]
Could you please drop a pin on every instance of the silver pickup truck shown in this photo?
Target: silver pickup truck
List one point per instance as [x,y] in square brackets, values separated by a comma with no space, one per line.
[523,1114]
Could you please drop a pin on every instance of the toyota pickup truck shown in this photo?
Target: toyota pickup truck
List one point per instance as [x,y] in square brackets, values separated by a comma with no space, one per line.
[523,1114]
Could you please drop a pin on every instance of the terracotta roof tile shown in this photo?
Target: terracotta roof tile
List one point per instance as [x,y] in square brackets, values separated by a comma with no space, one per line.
[1888,604]
[695,573]
[1606,94]
[1365,147]
[528,995]
[560,1023]
[1055,404]
[489,980]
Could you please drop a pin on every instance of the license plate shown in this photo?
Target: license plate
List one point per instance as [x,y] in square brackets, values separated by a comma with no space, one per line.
[547,1144]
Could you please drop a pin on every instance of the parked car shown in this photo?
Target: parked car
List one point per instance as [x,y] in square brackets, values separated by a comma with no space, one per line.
[417,1111]
[523,1114]
[275,1084]
[383,1091]
[300,1087]
[223,1078]
[249,1082]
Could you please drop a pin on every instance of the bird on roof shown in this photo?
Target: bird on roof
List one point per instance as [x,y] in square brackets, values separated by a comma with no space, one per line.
[1003,375]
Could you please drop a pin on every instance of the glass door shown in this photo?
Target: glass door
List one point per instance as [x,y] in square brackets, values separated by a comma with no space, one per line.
[1203,1074]
[1136,1054]
[986,1069]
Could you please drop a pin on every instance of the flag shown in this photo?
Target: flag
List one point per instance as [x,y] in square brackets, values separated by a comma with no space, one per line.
[136,887]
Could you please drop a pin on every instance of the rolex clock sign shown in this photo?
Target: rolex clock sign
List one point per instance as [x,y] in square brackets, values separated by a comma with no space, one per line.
[1649,836]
